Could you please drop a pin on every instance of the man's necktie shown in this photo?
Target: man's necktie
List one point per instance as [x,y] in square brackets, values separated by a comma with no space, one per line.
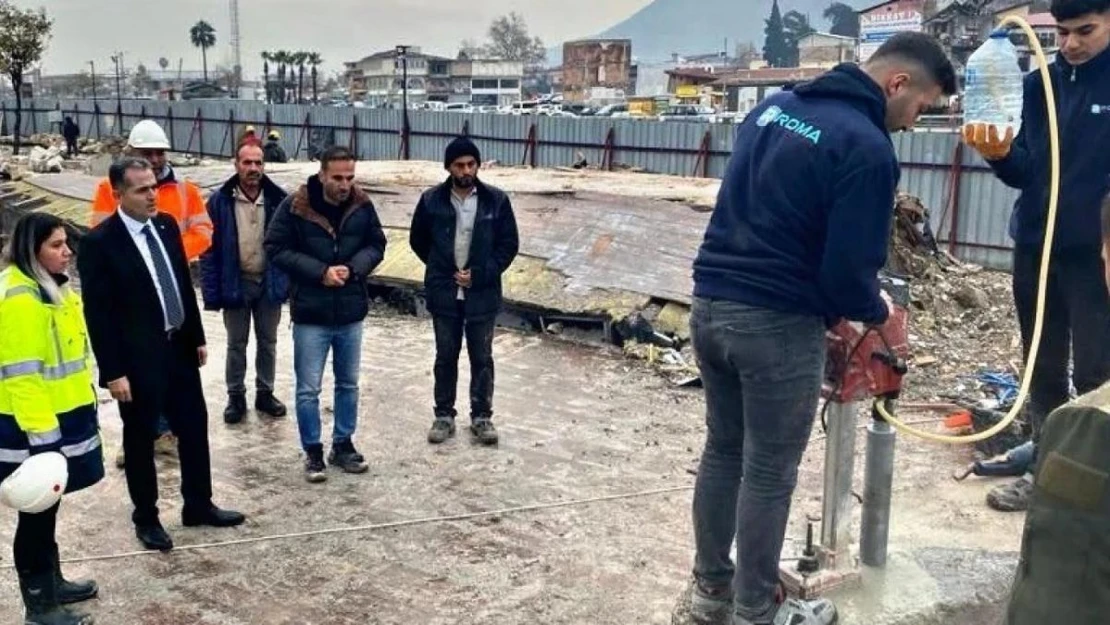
[175,313]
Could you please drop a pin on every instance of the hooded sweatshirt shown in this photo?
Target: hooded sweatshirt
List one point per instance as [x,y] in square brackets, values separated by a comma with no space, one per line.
[803,217]
[1083,116]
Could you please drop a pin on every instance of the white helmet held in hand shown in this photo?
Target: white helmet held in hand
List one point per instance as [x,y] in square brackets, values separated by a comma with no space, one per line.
[37,484]
[148,135]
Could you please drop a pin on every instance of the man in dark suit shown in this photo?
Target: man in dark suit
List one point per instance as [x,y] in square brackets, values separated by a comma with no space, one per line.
[146,332]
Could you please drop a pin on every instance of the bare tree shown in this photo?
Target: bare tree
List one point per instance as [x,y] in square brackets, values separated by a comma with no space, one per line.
[509,39]
[23,38]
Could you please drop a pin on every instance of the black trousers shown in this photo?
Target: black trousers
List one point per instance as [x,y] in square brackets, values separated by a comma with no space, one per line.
[33,547]
[184,407]
[449,332]
[1076,326]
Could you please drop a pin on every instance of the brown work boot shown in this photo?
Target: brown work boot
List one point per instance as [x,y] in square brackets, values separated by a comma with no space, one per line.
[166,445]
[1012,497]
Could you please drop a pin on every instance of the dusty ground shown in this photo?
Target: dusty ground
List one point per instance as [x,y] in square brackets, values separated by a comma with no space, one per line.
[576,422]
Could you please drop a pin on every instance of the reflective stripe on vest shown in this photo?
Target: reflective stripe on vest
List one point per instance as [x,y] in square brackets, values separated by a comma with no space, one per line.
[16,456]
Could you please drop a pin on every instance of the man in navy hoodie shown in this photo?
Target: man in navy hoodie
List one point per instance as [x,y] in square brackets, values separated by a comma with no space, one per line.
[797,238]
[1077,308]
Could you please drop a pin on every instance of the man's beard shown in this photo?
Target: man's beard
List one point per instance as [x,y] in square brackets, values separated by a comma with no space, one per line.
[463,182]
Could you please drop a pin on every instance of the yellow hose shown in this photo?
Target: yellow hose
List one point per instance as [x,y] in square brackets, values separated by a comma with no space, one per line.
[1050,231]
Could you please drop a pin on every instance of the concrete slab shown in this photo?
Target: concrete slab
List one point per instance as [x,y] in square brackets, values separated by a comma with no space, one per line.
[577,423]
[582,252]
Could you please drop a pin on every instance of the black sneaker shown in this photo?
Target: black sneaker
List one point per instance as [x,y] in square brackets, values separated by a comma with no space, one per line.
[236,409]
[315,471]
[443,428]
[344,456]
[266,403]
[483,430]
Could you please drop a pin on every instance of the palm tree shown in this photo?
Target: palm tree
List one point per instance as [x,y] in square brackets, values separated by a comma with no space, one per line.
[266,58]
[282,58]
[299,59]
[315,60]
[163,63]
[203,36]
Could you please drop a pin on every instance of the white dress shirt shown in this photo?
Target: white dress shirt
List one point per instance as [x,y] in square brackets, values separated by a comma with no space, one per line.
[135,227]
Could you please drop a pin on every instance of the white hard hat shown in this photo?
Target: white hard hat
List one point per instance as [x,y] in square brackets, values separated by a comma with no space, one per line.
[37,484]
[148,135]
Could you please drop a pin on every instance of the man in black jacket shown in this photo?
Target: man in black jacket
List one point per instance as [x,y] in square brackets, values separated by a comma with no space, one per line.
[1077,310]
[327,238]
[465,233]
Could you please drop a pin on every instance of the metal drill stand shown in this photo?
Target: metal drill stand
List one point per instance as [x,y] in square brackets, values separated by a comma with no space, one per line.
[832,557]
[862,364]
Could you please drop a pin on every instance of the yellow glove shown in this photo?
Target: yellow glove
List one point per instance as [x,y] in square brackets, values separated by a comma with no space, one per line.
[985,140]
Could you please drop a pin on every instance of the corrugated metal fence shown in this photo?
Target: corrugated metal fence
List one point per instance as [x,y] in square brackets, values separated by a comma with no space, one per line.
[970,209]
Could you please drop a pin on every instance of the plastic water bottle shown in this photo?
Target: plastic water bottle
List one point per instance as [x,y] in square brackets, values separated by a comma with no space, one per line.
[993,85]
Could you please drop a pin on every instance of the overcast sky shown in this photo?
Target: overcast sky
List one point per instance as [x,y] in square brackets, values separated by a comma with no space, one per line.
[341,30]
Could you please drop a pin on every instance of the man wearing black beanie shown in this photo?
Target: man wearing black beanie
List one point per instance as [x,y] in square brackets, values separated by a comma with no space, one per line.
[465,233]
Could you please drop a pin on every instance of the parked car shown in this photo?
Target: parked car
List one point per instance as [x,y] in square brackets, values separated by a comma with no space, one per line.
[689,113]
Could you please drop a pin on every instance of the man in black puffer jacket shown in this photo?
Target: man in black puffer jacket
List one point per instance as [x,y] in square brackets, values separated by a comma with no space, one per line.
[327,238]
[466,234]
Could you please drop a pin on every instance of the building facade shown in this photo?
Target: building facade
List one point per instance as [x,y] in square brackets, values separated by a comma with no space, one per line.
[824,50]
[378,80]
[597,65]
[488,82]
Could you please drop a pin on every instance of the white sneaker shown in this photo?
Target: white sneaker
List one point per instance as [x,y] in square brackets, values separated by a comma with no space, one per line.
[795,612]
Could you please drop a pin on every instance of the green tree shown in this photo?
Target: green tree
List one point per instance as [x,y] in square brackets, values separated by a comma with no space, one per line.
[315,61]
[509,39]
[776,48]
[203,36]
[843,20]
[164,63]
[299,59]
[795,25]
[23,38]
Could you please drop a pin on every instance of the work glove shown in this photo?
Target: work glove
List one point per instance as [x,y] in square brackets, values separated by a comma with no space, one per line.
[984,139]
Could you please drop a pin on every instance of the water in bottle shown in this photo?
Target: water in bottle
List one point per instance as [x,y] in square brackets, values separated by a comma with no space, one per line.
[993,85]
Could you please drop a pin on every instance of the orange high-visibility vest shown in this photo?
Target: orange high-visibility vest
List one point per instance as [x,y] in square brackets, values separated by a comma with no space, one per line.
[181,200]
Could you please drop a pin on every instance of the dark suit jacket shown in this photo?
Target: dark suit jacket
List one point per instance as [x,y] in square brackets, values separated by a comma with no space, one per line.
[123,312]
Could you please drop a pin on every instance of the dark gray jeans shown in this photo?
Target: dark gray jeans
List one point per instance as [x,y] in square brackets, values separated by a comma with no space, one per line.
[267,317]
[762,372]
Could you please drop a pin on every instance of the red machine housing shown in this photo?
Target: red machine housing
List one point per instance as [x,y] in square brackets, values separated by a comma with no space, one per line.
[864,361]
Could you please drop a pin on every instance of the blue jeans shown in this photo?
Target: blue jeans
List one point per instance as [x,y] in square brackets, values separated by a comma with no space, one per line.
[163,426]
[762,371]
[310,353]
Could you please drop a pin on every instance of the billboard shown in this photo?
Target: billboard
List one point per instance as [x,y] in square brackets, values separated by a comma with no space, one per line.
[883,22]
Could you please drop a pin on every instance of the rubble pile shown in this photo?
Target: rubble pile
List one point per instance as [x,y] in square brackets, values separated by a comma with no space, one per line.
[46,160]
[962,319]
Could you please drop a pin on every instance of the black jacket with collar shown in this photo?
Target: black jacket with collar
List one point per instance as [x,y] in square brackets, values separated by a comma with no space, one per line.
[493,246]
[302,242]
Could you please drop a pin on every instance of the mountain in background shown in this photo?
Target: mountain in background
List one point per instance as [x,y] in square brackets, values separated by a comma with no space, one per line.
[702,26]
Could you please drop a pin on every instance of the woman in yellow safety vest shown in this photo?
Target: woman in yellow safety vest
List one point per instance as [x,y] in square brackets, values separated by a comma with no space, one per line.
[47,402]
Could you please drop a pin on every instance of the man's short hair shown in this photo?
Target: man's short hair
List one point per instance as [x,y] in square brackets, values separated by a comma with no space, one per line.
[335,153]
[1071,9]
[923,50]
[246,144]
[117,173]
